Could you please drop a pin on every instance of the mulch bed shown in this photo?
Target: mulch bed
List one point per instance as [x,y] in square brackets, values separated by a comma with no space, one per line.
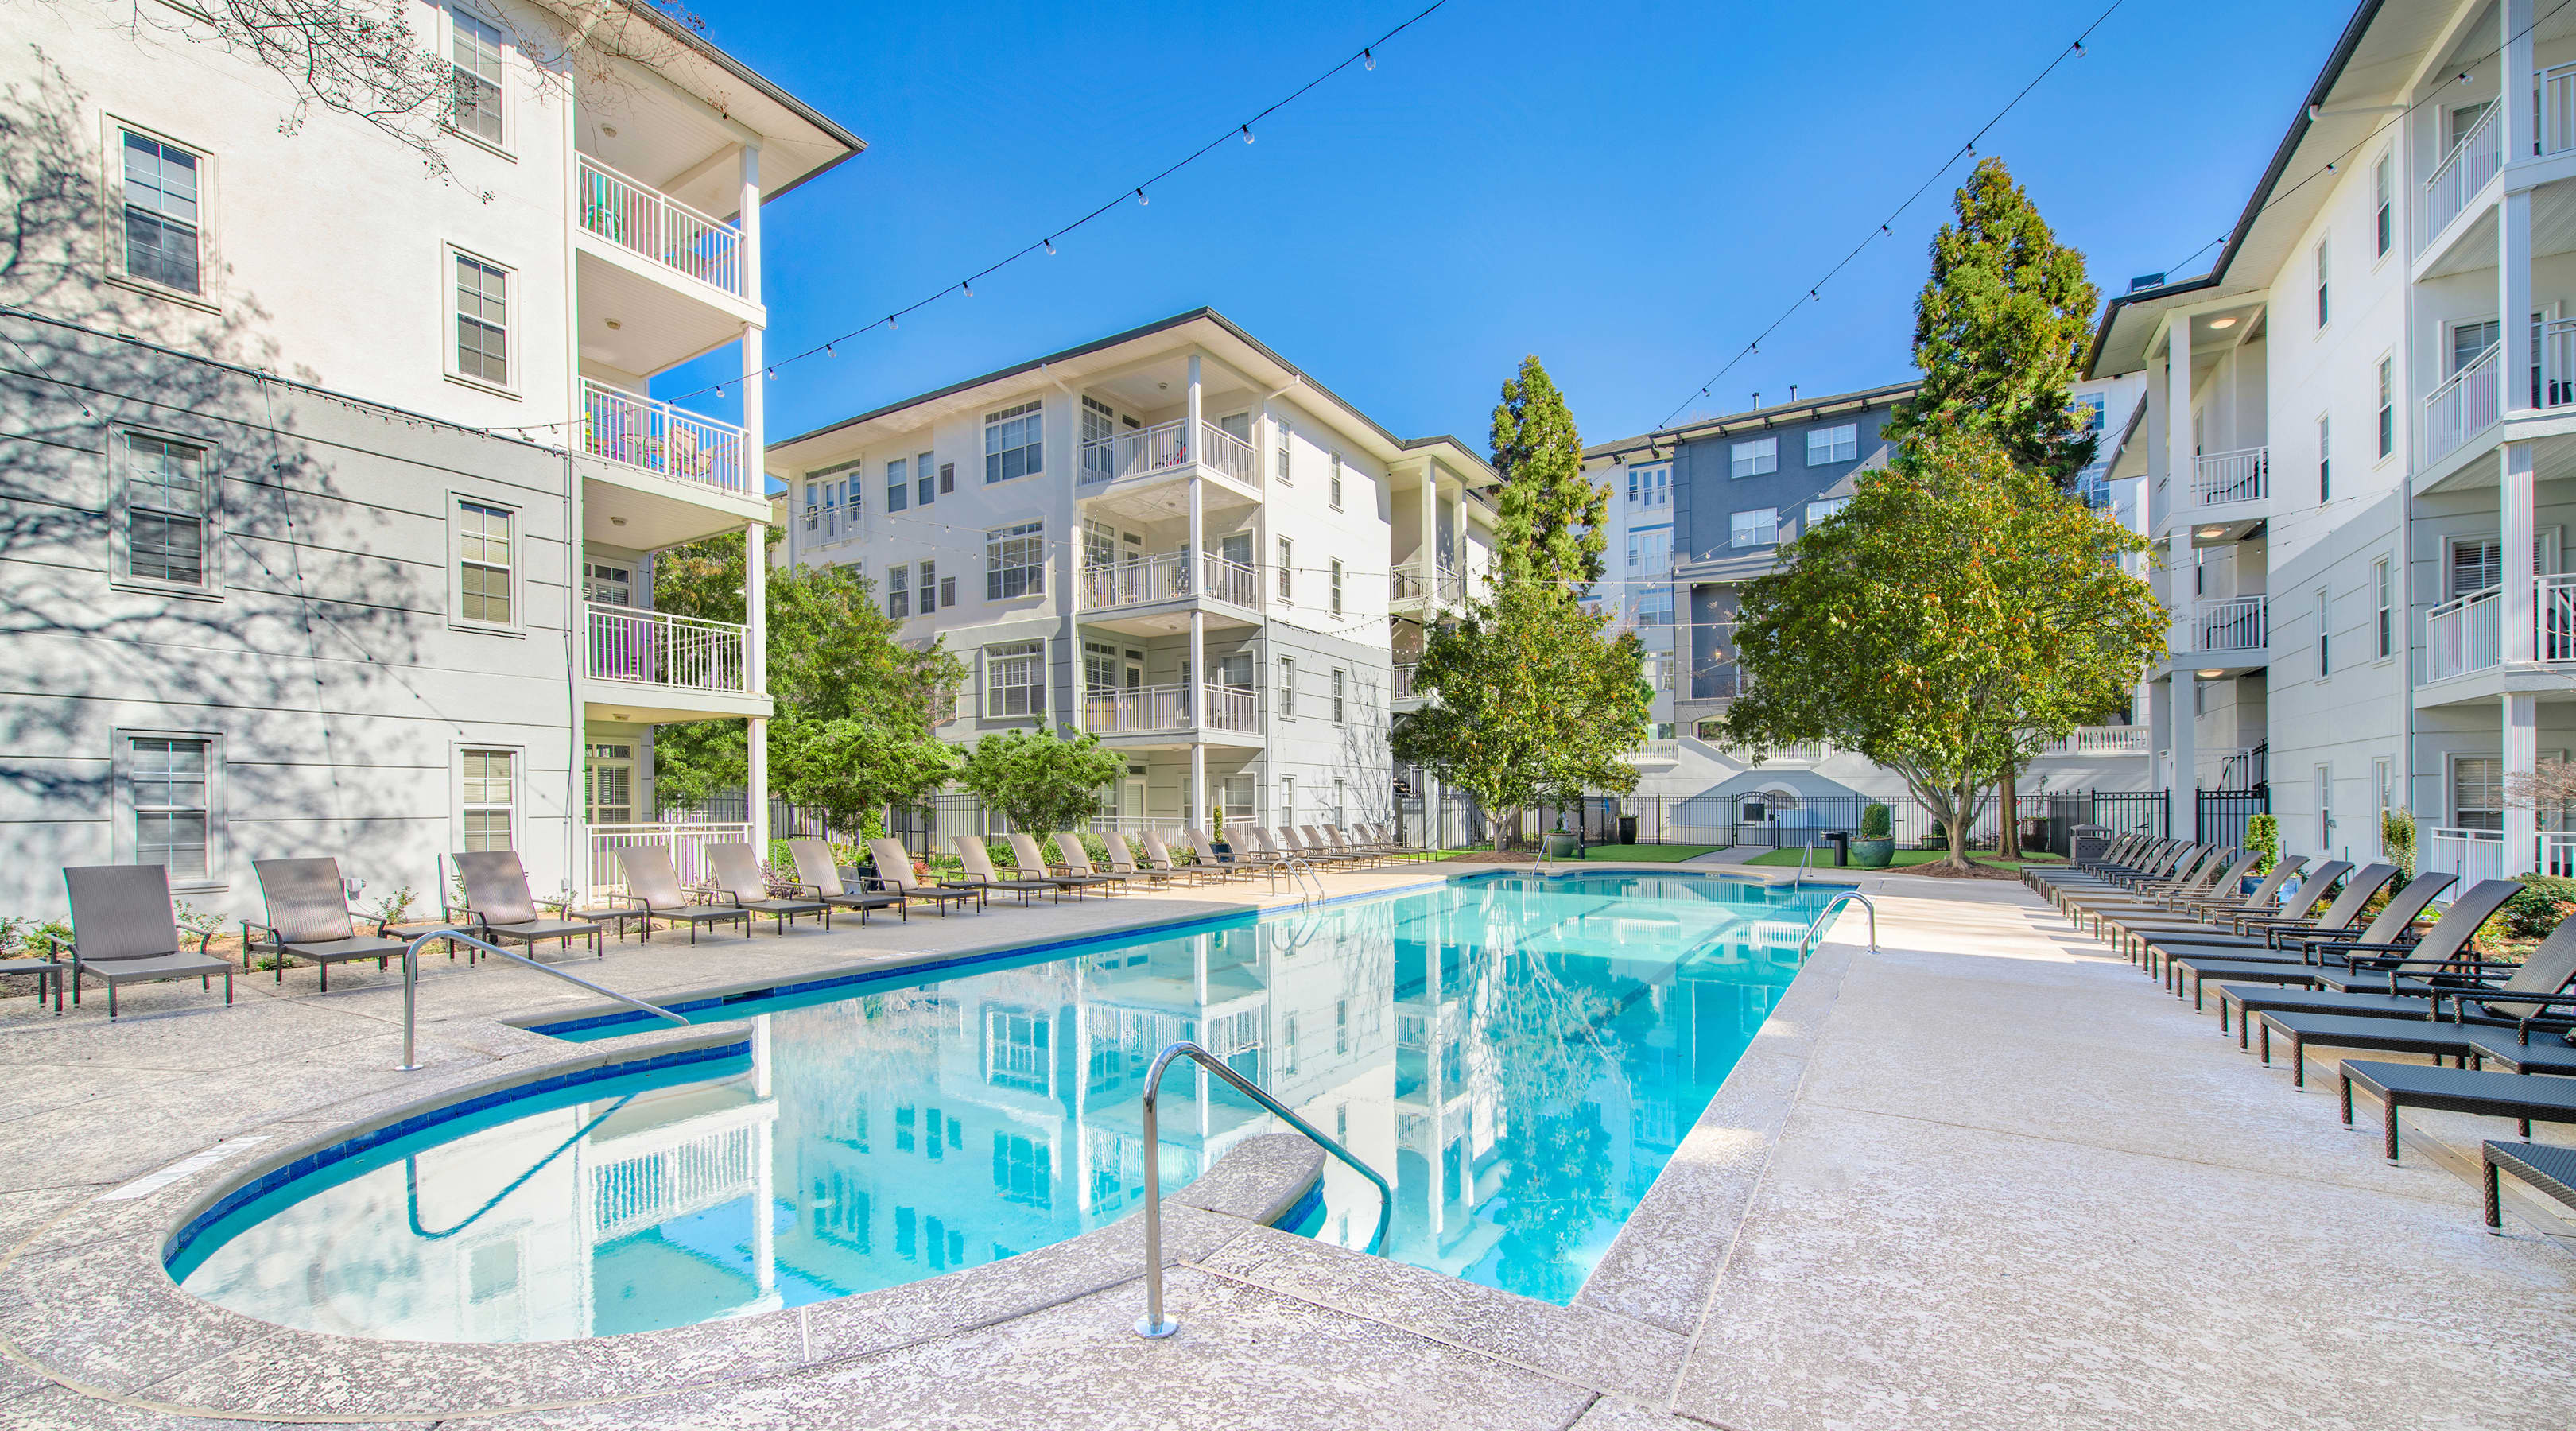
[1974,871]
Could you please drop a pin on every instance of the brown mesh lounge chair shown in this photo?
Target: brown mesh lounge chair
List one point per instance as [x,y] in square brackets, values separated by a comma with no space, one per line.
[1077,862]
[308,919]
[1220,866]
[978,863]
[653,888]
[1159,859]
[498,905]
[1029,862]
[1122,861]
[740,878]
[894,875]
[123,932]
[818,876]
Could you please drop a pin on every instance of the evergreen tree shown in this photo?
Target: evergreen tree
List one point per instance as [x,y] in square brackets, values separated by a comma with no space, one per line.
[1999,331]
[1552,519]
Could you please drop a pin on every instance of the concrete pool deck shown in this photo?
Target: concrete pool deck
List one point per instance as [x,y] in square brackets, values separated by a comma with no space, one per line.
[1990,1176]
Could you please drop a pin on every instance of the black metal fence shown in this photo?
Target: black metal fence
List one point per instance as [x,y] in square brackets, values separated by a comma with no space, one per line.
[2223,814]
[2047,821]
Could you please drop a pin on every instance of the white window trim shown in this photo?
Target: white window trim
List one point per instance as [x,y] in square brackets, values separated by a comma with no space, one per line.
[514,351]
[121,531]
[2395,607]
[1829,460]
[121,799]
[2321,284]
[505,147]
[111,218]
[518,792]
[2396,213]
[456,618]
[2396,411]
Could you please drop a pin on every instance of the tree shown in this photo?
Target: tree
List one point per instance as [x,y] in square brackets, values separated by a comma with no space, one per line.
[1040,782]
[1552,523]
[1999,334]
[849,769]
[1957,613]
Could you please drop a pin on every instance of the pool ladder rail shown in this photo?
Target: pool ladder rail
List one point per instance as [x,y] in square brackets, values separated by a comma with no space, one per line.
[1824,916]
[1155,1323]
[411,988]
[1301,877]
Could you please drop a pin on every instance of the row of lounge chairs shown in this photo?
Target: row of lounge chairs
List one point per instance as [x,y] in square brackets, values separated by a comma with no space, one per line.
[2319,969]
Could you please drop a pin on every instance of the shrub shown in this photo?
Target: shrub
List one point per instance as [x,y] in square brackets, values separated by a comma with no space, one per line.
[2263,841]
[2397,838]
[1874,821]
[2545,900]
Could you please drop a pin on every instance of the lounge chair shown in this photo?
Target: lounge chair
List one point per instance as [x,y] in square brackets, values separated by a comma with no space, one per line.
[1122,860]
[653,889]
[740,878]
[500,908]
[2308,956]
[48,972]
[1030,862]
[978,861]
[894,876]
[1221,866]
[1077,864]
[2525,1098]
[2262,935]
[1340,842]
[1252,851]
[308,919]
[818,876]
[1159,859]
[2211,914]
[2470,1035]
[2537,993]
[2547,1169]
[123,932]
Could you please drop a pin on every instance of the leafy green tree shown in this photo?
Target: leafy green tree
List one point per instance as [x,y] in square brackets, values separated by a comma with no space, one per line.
[850,768]
[1552,520]
[1958,613]
[1042,782]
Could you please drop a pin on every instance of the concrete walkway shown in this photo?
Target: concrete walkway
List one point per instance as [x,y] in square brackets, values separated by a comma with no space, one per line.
[1989,1177]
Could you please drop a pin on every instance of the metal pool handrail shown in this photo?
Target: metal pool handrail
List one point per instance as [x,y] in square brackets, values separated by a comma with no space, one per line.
[1154,1323]
[411,988]
[1807,945]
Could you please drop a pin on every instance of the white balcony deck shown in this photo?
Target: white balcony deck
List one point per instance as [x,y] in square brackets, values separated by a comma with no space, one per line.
[1171,576]
[2463,172]
[644,221]
[652,666]
[2225,479]
[1166,710]
[2099,740]
[2232,625]
[1147,455]
[2470,403]
[636,431]
[687,844]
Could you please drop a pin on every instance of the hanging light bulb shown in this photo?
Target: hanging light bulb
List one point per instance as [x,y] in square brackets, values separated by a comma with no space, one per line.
[1368,60]
[719,390]
[2079,49]
[891,325]
[970,289]
[1140,197]
[1247,134]
[1050,245]
[827,350]
[773,375]
[1891,233]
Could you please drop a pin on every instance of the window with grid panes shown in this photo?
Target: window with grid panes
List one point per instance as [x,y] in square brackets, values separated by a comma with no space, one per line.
[483,562]
[1753,459]
[899,591]
[929,587]
[1015,679]
[1840,443]
[474,58]
[925,481]
[162,215]
[1012,445]
[168,785]
[489,798]
[1015,561]
[1341,680]
[898,484]
[2477,792]
[166,502]
[482,320]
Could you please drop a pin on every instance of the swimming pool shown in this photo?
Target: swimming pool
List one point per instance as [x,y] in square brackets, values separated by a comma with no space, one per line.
[1518,1054]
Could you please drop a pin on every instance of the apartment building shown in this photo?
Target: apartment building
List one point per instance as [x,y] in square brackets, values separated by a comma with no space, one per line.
[2365,543]
[1173,538]
[1701,508]
[340,484]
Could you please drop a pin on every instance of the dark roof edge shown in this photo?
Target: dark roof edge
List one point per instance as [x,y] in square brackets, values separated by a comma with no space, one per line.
[1095,345]
[852,145]
[2345,45]
[1810,408]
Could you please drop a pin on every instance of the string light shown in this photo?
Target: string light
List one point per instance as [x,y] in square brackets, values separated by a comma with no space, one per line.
[1050,248]
[970,289]
[1368,61]
[1887,227]
[1140,196]
[1247,134]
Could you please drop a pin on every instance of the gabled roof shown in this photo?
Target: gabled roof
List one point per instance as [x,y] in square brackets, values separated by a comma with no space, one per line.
[1757,419]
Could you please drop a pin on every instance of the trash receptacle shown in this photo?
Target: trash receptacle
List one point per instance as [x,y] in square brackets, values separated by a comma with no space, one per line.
[2089,843]
[1627,829]
[1841,841]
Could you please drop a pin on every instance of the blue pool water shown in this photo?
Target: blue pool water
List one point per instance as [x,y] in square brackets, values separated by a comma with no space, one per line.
[1519,1056]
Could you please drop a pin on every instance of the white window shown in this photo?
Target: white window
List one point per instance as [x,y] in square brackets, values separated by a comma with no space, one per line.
[2383,778]
[2383,194]
[2325,458]
[2095,410]
[2325,634]
[1341,801]
[2476,564]
[488,800]
[899,591]
[1336,577]
[1757,528]
[1822,508]
[898,483]
[482,320]
[169,789]
[2470,341]
[1015,679]
[2477,792]
[484,562]
[163,218]
[1012,446]
[2325,309]
[926,484]
[1752,459]
[1279,461]
[1015,561]
[929,587]
[1655,606]
[1099,440]
[2383,584]
[1833,444]
[1288,686]
[1287,799]
[1651,486]
[608,783]
[1287,570]
[168,495]
[1333,488]
[1340,684]
[1099,668]
[2325,807]
[474,55]
[1650,551]
[2387,406]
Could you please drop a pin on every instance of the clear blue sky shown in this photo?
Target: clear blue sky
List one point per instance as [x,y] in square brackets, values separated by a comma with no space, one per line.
[1629,190]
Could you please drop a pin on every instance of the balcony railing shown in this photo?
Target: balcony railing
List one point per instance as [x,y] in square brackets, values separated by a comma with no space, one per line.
[1165,447]
[1165,578]
[1403,586]
[1653,752]
[2553,617]
[1803,752]
[2558,853]
[636,431]
[2462,173]
[687,844]
[2465,406]
[2558,109]
[2464,634]
[641,219]
[2099,740]
[2235,624]
[2557,377]
[2240,476]
[1402,684]
[1152,709]
[2472,855]
[656,648]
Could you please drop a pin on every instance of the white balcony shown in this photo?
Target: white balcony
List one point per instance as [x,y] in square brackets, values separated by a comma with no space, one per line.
[1804,752]
[2235,624]
[2471,855]
[1168,577]
[635,431]
[641,220]
[2220,479]
[2464,634]
[2558,853]
[2557,363]
[686,843]
[1161,710]
[656,648]
[1654,752]
[2558,109]
[1400,685]
[2477,158]
[1165,448]
[2098,740]
[2465,406]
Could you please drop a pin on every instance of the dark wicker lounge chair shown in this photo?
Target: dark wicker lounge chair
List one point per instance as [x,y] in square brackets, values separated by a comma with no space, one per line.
[2523,1097]
[653,889]
[740,879]
[499,906]
[2315,957]
[2535,994]
[308,919]
[123,932]
[2544,1168]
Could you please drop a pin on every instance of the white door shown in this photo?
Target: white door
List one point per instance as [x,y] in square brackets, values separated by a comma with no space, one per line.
[1131,804]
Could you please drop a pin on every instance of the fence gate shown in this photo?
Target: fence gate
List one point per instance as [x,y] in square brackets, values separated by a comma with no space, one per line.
[2224,813]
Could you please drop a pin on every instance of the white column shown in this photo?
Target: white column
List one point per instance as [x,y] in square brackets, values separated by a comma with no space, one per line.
[755,672]
[2513,295]
[2521,754]
[1429,553]
[755,380]
[750,222]
[764,1192]
[2184,789]
[2514,522]
[2183,781]
[1194,801]
[2519,91]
